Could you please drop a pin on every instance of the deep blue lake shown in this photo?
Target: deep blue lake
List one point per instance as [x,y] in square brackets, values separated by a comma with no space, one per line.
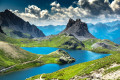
[80,56]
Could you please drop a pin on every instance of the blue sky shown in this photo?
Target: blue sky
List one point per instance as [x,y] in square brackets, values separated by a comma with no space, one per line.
[21,4]
[58,12]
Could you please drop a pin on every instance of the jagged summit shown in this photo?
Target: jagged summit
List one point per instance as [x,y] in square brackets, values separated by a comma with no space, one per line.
[16,27]
[7,10]
[78,28]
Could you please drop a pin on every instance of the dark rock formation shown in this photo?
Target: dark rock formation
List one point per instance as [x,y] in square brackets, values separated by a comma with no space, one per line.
[65,57]
[13,22]
[73,44]
[103,45]
[65,60]
[1,31]
[78,29]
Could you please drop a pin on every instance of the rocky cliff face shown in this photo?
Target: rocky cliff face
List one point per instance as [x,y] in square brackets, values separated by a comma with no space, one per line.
[1,31]
[78,29]
[64,56]
[12,23]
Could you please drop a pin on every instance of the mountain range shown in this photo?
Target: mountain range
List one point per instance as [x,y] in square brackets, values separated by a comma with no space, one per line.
[113,23]
[15,27]
[51,29]
[103,31]
[99,30]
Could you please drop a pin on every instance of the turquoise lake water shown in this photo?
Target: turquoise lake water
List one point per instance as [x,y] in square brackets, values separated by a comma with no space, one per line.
[80,56]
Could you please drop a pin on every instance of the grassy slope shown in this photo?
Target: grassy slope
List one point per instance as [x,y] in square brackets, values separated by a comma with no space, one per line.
[9,32]
[85,68]
[14,55]
[45,59]
[11,55]
[112,69]
[5,61]
[82,69]
[56,41]
[9,61]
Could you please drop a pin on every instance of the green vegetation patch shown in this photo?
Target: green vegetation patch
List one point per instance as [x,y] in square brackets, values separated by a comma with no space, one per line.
[112,69]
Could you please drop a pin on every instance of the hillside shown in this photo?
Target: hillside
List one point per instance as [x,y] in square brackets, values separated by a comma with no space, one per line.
[14,58]
[15,27]
[12,55]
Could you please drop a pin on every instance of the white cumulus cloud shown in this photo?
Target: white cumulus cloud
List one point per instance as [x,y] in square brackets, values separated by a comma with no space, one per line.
[90,11]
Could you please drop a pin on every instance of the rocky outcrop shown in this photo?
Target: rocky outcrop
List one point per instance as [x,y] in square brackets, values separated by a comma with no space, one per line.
[103,45]
[101,74]
[73,44]
[78,29]
[1,31]
[65,60]
[12,22]
[64,56]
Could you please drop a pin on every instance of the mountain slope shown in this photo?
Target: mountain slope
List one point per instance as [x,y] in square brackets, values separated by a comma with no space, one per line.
[11,55]
[78,29]
[15,27]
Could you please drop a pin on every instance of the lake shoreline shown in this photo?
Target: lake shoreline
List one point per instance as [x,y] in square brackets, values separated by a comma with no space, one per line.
[30,67]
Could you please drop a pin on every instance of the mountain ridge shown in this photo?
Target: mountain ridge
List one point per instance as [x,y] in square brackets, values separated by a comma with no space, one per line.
[12,23]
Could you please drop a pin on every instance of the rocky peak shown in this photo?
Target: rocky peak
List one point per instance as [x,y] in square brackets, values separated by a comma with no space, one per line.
[78,20]
[79,29]
[7,11]
[70,23]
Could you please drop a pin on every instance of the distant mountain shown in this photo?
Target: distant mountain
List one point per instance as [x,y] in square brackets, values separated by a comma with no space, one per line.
[51,29]
[113,23]
[78,29]
[99,30]
[16,27]
[103,31]
[117,40]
